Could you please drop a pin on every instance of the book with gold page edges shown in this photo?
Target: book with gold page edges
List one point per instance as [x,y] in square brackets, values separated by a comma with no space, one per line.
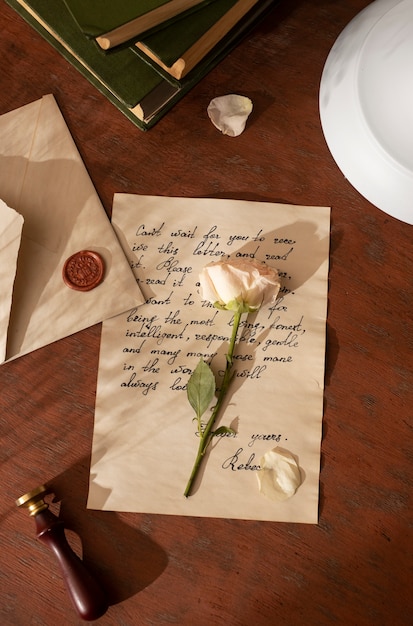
[113,23]
[139,91]
[179,51]
[168,46]
[127,77]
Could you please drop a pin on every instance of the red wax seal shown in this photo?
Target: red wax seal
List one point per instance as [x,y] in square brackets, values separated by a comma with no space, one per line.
[83,271]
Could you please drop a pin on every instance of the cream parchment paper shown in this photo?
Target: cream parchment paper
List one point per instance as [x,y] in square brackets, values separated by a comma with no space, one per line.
[44,180]
[11,224]
[144,441]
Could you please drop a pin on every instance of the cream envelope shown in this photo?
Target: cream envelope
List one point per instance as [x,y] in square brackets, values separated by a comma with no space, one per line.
[44,180]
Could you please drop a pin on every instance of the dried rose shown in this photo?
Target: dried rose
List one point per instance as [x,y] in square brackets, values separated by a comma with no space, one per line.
[241,286]
[240,283]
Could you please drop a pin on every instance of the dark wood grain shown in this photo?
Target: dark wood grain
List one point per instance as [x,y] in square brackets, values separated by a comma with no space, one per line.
[356,566]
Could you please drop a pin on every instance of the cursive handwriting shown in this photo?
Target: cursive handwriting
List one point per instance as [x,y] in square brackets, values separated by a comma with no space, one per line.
[232,462]
[165,339]
[143,386]
[263,437]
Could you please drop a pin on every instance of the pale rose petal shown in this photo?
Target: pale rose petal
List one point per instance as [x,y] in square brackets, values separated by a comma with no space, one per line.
[226,280]
[208,291]
[279,476]
[246,281]
[230,113]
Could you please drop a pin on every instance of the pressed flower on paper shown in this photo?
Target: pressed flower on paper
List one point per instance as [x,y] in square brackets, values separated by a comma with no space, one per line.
[241,286]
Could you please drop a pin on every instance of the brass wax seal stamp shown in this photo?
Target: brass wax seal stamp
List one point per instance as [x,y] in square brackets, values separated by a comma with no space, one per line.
[83,270]
[88,597]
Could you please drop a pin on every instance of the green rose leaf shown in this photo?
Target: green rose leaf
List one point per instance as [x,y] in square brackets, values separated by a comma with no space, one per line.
[201,388]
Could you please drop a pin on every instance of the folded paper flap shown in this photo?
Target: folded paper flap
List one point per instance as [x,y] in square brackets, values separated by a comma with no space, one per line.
[39,194]
[57,186]
[11,224]
[44,178]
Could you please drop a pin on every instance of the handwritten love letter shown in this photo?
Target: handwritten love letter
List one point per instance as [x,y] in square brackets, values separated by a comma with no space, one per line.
[144,441]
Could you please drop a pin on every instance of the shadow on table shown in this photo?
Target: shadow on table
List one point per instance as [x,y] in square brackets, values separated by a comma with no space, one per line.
[123,559]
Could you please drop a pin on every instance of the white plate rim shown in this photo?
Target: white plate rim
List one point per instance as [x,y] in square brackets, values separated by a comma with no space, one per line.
[371,171]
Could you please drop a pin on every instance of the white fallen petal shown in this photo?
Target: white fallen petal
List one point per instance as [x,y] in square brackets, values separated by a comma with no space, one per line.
[279,476]
[230,113]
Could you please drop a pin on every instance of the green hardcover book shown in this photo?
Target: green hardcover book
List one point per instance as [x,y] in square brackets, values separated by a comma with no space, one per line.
[179,47]
[116,22]
[127,77]
[151,107]
[158,95]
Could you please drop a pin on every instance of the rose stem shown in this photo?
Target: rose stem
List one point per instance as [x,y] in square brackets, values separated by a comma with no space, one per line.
[206,436]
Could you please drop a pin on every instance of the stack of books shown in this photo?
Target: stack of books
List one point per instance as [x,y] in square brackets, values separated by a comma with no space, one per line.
[143,55]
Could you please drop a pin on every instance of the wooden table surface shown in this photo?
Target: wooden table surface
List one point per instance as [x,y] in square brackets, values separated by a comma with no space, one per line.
[355,567]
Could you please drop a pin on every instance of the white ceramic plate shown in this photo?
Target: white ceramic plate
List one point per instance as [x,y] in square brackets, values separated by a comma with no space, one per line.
[366,105]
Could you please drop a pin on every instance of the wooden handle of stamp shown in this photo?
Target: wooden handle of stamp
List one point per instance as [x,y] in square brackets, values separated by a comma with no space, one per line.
[87,596]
